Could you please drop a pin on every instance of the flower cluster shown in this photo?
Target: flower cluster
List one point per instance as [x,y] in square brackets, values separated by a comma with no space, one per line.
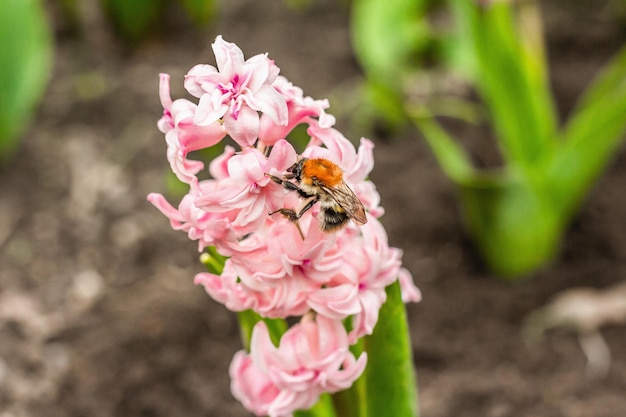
[274,267]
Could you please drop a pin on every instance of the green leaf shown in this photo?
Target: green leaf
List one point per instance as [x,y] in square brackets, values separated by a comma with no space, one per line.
[387,35]
[514,227]
[510,74]
[450,155]
[610,81]
[389,377]
[201,12]
[25,61]
[591,136]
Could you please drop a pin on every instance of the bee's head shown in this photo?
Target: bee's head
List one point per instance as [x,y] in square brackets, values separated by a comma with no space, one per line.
[296,169]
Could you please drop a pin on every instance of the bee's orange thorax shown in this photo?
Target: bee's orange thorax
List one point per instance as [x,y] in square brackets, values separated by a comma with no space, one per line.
[326,172]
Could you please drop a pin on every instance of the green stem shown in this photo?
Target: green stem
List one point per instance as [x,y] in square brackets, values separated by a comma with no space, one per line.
[323,408]
[389,378]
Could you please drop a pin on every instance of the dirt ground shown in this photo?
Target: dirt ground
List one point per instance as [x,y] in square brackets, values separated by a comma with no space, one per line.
[98,312]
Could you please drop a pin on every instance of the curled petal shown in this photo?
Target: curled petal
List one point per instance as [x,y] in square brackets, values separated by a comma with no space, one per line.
[209,110]
[410,293]
[202,78]
[164,90]
[364,322]
[228,56]
[336,302]
[251,386]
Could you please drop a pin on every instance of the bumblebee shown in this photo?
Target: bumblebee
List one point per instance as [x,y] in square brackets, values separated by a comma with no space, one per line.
[321,181]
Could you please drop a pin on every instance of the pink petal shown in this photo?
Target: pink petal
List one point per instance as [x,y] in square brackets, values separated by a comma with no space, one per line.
[164,91]
[262,349]
[257,70]
[245,128]
[202,79]
[228,56]
[344,378]
[410,293]
[166,208]
[270,102]
[364,163]
[283,155]
[208,111]
[218,167]
[250,385]
[336,302]
[246,166]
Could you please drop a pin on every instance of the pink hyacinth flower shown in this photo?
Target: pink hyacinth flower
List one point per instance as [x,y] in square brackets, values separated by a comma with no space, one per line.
[283,298]
[313,358]
[206,228]
[182,135]
[369,265]
[236,91]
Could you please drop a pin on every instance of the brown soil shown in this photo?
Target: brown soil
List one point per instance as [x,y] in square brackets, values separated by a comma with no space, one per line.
[98,312]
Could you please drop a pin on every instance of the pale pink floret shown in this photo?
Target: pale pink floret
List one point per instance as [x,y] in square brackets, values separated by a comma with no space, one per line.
[282,297]
[317,257]
[182,135]
[206,228]
[243,186]
[251,386]
[369,265]
[313,358]
[300,110]
[236,91]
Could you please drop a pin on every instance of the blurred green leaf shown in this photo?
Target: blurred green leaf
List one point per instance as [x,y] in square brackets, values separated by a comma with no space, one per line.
[510,74]
[515,228]
[201,12]
[591,136]
[451,156]
[133,18]
[388,37]
[25,65]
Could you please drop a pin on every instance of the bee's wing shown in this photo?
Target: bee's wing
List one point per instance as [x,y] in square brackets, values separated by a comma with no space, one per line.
[348,201]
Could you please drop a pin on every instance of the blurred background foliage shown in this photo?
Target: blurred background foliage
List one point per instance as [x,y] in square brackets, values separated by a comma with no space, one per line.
[136,19]
[26,51]
[424,61]
[515,212]
[25,65]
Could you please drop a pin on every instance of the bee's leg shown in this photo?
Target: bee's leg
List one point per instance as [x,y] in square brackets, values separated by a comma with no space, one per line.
[289,213]
[293,215]
[289,186]
[308,206]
